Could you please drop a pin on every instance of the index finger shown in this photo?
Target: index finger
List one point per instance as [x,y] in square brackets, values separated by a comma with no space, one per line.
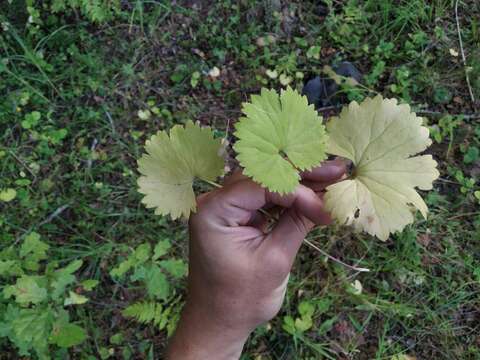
[328,171]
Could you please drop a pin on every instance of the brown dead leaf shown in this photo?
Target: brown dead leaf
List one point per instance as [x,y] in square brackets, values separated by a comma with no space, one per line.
[261,42]
[328,51]
[198,52]
[343,331]
[458,100]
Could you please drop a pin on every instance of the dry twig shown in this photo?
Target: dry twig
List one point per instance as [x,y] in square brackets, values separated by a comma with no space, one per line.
[334,259]
[472,97]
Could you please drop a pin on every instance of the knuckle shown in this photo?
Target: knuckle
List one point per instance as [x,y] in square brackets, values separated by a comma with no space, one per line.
[309,192]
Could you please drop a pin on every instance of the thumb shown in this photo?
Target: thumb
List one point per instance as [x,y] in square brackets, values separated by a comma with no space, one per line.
[293,226]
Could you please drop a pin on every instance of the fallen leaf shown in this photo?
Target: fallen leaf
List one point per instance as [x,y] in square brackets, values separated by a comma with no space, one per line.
[214,72]
[285,79]
[453,52]
[272,74]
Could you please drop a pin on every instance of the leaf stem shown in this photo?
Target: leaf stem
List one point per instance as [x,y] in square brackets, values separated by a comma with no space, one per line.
[213,183]
[351,267]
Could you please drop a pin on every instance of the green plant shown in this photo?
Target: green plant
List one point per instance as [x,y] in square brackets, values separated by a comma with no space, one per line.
[161,316]
[35,300]
[151,269]
[471,154]
[298,327]
[302,323]
[467,184]
[445,128]
[95,10]
[403,83]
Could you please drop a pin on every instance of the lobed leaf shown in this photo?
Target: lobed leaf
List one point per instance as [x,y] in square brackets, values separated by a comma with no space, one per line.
[279,136]
[172,163]
[380,137]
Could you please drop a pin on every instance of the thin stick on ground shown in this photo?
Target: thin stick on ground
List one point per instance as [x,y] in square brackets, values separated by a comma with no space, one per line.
[351,267]
[227,129]
[53,215]
[463,215]
[50,218]
[439,113]
[472,97]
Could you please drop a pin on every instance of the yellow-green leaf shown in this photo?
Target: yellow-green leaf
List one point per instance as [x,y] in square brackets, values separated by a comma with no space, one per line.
[75,299]
[8,195]
[380,137]
[171,165]
[279,136]
[27,290]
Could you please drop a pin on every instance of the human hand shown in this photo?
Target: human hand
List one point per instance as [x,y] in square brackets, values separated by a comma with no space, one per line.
[238,271]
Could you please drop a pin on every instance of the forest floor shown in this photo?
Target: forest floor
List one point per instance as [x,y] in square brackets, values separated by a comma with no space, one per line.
[82,87]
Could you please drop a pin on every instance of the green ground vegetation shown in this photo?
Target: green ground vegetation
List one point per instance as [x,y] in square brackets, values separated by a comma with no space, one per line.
[87,272]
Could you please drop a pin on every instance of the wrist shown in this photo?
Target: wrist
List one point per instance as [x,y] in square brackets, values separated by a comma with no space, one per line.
[201,334]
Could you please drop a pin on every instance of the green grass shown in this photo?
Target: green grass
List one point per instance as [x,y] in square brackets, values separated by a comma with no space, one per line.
[89,70]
